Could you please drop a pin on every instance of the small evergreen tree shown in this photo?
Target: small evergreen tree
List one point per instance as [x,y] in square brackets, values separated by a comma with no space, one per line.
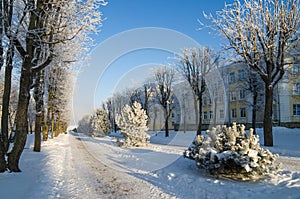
[99,123]
[133,124]
[231,153]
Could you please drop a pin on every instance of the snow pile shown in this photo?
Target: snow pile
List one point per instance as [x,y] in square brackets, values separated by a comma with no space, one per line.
[100,124]
[133,124]
[229,152]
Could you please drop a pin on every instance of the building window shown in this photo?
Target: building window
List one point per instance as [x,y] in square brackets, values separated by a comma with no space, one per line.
[243,112]
[205,115]
[231,77]
[211,115]
[242,94]
[241,74]
[296,109]
[232,96]
[296,88]
[233,113]
[222,114]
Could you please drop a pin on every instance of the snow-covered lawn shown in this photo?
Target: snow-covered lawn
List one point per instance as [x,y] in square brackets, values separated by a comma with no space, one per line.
[77,166]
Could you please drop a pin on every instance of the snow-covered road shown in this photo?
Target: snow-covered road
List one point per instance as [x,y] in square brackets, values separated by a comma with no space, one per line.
[80,175]
[76,166]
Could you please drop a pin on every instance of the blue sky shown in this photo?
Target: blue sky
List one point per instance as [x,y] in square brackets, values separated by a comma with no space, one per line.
[127,47]
[180,15]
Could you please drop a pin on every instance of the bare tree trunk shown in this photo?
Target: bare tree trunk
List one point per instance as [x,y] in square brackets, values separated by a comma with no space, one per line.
[154,119]
[52,124]
[46,125]
[268,135]
[254,110]
[21,116]
[58,124]
[39,102]
[215,109]
[199,128]
[2,148]
[166,122]
[6,97]
[196,112]
[31,127]
[2,158]
[37,133]
[167,127]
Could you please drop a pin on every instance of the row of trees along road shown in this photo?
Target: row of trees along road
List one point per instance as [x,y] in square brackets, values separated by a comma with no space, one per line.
[40,36]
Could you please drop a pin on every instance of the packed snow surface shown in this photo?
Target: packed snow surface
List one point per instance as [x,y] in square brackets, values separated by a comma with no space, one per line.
[77,166]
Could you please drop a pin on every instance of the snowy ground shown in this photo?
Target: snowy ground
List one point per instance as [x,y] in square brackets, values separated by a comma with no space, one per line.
[76,166]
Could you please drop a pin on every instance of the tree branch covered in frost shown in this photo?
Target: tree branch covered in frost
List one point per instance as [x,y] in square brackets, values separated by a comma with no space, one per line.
[133,124]
[230,152]
[261,31]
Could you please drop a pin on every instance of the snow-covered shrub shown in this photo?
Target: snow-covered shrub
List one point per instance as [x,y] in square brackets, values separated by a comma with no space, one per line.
[133,124]
[84,125]
[99,123]
[229,152]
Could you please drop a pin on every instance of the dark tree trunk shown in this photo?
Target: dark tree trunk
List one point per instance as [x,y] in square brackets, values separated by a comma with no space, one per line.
[31,128]
[166,121]
[1,36]
[37,133]
[21,117]
[2,158]
[254,110]
[268,135]
[154,120]
[46,125]
[199,128]
[2,151]
[167,127]
[196,112]
[215,110]
[38,97]
[53,130]
[6,97]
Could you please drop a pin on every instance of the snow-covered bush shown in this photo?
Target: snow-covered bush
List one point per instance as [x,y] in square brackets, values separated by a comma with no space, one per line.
[229,152]
[84,125]
[99,123]
[133,124]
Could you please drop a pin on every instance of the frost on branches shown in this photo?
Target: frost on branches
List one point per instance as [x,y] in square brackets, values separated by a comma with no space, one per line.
[99,123]
[133,124]
[229,152]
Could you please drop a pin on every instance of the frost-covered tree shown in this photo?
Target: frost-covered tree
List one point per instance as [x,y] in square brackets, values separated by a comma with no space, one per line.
[37,28]
[143,95]
[261,32]
[99,123]
[133,124]
[164,79]
[194,65]
[229,152]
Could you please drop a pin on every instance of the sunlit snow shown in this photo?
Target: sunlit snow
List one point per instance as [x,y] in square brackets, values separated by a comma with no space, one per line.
[76,166]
